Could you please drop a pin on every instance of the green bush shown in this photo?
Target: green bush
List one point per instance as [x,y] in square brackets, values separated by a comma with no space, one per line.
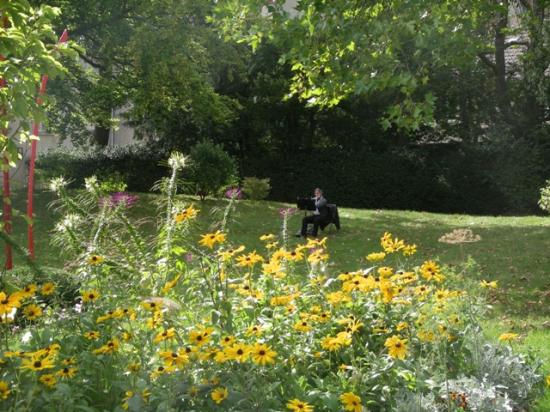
[255,188]
[138,165]
[211,168]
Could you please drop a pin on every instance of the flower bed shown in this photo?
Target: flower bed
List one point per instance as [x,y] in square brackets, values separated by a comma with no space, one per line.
[178,322]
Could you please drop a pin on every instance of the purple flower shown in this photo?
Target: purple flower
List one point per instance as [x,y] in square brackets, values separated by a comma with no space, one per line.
[119,199]
[234,193]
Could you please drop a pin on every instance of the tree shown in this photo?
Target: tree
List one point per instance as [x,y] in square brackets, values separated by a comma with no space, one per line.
[27,52]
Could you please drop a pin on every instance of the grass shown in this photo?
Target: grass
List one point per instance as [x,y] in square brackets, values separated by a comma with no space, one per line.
[512,250]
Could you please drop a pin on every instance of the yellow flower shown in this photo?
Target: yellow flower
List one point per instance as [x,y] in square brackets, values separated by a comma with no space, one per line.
[67,372]
[317,256]
[36,363]
[228,340]
[32,312]
[238,351]
[262,354]
[165,335]
[488,285]
[219,394]
[92,335]
[90,295]
[172,358]
[210,239]
[336,298]
[49,380]
[385,271]
[507,337]
[267,237]
[297,405]
[226,255]
[249,260]
[294,256]
[110,347]
[170,284]
[391,245]
[186,214]
[4,390]
[376,257]
[152,305]
[254,330]
[95,260]
[351,402]
[302,326]
[9,302]
[161,370]
[431,271]
[409,250]
[200,336]
[47,289]
[28,291]
[397,347]
[547,381]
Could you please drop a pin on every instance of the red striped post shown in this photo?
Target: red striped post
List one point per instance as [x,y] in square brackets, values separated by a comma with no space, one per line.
[35,131]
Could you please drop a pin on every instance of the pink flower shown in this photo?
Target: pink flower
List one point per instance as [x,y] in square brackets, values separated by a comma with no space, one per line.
[234,192]
[119,199]
[287,211]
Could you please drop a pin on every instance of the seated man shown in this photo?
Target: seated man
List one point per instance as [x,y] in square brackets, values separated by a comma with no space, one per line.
[320,214]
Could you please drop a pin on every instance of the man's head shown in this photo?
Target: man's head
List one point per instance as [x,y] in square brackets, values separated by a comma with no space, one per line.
[318,192]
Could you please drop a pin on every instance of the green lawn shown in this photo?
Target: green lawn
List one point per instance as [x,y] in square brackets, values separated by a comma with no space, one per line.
[512,250]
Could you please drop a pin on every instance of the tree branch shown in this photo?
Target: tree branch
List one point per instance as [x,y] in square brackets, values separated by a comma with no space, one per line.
[516,43]
[90,61]
[483,57]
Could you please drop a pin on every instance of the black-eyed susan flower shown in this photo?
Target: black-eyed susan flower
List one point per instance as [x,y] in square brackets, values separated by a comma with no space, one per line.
[4,390]
[238,351]
[67,372]
[48,379]
[431,271]
[297,405]
[200,336]
[90,295]
[47,289]
[152,305]
[165,335]
[397,347]
[351,402]
[488,285]
[161,370]
[37,363]
[254,330]
[92,335]
[227,340]
[267,237]
[210,239]
[376,257]
[262,354]
[249,260]
[32,312]
[219,394]
[95,260]
[28,291]
[186,214]
[173,358]
[302,326]
[9,302]
[110,347]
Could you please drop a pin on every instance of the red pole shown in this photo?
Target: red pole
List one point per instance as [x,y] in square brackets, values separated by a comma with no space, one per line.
[35,130]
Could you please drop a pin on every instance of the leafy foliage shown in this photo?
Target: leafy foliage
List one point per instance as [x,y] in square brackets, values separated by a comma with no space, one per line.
[211,168]
[255,188]
[27,47]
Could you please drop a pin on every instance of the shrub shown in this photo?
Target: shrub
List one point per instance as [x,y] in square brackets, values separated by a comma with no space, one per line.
[211,168]
[137,165]
[255,188]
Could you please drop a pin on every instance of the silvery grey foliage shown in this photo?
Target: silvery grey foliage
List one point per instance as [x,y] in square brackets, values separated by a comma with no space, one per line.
[416,402]
[479,395]
[513,374]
